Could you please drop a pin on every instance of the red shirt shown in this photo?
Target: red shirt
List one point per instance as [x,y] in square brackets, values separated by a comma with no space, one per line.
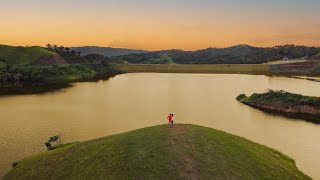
[169,118]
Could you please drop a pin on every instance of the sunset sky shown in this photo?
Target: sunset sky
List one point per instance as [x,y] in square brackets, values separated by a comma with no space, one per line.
[160,24]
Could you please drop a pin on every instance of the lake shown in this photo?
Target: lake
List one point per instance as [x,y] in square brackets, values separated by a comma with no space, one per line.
[131,101]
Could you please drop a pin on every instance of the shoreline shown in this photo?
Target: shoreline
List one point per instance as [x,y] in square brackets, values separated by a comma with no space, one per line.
[285,104]
[254,69]
[29,88]
[17,88]
[251,69]
[282,112]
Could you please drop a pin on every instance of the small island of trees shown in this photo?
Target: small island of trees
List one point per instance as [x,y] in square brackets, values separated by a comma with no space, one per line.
[285,103]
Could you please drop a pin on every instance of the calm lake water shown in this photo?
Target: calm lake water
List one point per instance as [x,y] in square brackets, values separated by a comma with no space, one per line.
[131,101]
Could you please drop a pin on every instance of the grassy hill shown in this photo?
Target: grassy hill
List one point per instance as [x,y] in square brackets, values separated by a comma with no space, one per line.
[23,55]
[185,151]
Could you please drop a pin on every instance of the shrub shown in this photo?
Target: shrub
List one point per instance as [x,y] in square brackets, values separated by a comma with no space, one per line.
[241,96]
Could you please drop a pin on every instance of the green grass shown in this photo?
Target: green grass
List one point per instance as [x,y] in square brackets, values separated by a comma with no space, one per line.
[279,98]
[59,146]
[185,151]
[23,55]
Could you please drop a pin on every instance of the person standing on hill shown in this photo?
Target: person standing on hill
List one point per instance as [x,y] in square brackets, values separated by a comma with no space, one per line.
[170,120]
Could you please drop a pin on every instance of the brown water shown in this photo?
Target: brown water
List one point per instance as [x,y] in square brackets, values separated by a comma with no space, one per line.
[132,101]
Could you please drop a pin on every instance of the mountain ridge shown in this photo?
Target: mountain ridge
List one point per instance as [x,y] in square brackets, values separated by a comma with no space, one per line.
[238,54]
[107,51]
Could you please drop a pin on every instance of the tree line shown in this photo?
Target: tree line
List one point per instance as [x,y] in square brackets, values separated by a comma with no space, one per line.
[241,54]
[72,56]
[78,68]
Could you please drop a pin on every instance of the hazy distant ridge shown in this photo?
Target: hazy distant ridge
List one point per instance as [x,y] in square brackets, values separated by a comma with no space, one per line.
[107,51]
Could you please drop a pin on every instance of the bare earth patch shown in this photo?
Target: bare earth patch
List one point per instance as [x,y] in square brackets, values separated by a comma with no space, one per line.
[180,141]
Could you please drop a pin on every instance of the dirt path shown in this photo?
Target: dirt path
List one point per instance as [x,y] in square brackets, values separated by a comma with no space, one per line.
[180,141]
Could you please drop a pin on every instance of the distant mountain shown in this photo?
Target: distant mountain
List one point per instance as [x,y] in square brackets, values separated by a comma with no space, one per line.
[106,51]
[240,54]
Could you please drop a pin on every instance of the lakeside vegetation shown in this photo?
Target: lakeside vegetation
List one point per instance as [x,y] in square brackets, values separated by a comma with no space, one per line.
[280,98]
[185,151]
[285,103]
[58,64]
[39,79]
[23,69]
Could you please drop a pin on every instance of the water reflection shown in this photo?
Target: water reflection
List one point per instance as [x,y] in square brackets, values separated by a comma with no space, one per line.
[132,101]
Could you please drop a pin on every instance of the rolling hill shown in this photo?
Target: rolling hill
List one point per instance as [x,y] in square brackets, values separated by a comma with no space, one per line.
[106,51]
[28,55]
[43,66]
[181,152]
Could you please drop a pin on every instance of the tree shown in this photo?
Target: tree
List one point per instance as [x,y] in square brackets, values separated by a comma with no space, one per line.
[2,59]
[95,58]
[61,48]
[49,46]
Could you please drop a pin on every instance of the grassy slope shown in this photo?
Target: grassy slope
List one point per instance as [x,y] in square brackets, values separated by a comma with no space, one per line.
[161,153]
[23,55]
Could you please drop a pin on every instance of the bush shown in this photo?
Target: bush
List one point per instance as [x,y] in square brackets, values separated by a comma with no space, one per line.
[241,96]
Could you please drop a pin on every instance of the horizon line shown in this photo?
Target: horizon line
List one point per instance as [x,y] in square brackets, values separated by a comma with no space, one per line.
[155,50]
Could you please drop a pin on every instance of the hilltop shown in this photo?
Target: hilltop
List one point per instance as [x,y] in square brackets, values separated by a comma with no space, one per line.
[27,55]
[185,151]
[107,51]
